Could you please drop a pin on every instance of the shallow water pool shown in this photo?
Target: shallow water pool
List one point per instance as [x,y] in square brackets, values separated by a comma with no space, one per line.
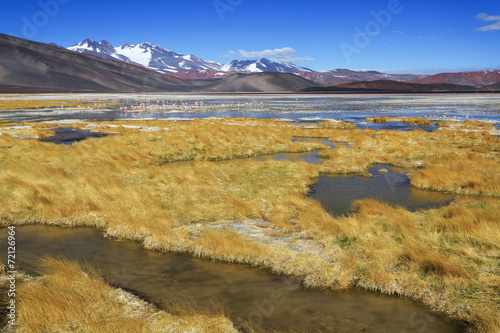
[338,193]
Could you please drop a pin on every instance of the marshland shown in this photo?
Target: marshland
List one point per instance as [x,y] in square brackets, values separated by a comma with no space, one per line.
[373,198]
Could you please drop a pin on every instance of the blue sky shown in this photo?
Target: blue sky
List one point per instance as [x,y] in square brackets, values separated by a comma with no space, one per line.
[410,36]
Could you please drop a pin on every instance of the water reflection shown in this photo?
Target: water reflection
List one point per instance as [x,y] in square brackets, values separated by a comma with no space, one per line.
[300,109]
[69,135]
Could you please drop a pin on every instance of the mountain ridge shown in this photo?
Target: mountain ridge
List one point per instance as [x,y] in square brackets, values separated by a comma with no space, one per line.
[263,65]
[470,78]
[342,75]
[160,59]
[146,54]
[330,78]
[190,67]
[387,86]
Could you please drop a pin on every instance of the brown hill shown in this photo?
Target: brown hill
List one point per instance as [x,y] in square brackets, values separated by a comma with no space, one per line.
[492,87]
[475,79]
[259,82]
[27,66]
[391,86]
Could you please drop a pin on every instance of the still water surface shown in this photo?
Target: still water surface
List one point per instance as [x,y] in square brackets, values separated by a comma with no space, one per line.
[265,300]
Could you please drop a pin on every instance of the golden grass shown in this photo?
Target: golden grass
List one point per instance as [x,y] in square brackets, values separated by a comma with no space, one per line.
[329,124]
[467,125]
[474,174]
[39,104]
[119,181]
[129,184]
[430,261]
[414,121]
[376,120]
[70,298]
[210,139]
[445,257]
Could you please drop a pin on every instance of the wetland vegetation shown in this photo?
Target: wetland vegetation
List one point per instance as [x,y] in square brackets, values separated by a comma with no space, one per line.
[134,183]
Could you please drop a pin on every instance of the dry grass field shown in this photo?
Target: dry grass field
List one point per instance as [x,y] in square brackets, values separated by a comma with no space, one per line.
[406,120]
[38,104]
[181,186]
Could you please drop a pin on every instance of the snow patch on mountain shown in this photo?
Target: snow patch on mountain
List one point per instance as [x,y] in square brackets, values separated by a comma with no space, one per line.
[263,65]
[137,54]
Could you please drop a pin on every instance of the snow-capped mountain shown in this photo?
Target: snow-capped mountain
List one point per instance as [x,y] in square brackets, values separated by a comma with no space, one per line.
[154,57]
[160,59]
[263,65]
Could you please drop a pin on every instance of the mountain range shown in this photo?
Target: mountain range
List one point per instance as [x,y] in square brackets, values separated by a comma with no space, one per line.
[340,76]
[389,86]
[32,67]
[151,56]
[190,67]
[473,79]
[158,58]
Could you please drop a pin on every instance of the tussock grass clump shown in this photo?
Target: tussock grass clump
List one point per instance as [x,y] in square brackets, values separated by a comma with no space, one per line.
[228,245]
[376,120]
[466,125]
[473,174]
[70,298]
[414,121]
[430,261]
